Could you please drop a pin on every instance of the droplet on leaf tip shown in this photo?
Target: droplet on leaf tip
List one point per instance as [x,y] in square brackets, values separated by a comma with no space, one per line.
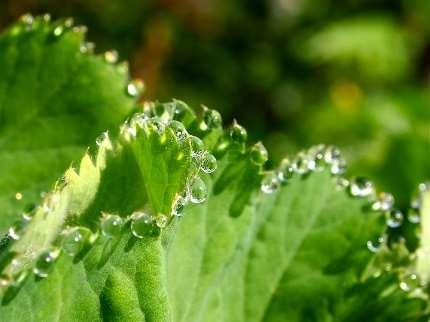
[144,225]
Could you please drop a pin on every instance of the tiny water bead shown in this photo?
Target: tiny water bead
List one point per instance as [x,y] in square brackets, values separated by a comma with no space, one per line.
[361,187]
[161,221]
[409,282]
[27,19]
[74,239]
[179,130]
[259,154]
[102,138]
[384,202]
[135,87]
[414,216]
[238,133]
[144,225]
[111,225]
[285,171]
[128,131]
[301,163]
[270,183]
[179,205]
[394,218]
[211,118]
[375,245]
[208,163]
[111,56]
[87,48]
[44,263]
[197,190]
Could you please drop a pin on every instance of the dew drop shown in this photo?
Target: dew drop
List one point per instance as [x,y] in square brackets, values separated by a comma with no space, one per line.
[385,202]
[58,30]
[18,196]
[361,187]
[414,216]
[259,154]
[409,282]
[197,145]
[28,20]
[111,56]
[139,119]
[208,163]
[5,281]
[179,205]
[375,245]
[285,171]
[143,225]
[161,221]
[332,154]
[135,87]
[111,225]
[197,190]
[179,110]
[211,118]
[128,131]
[270,183]
[44,263]
[74,239]
[179,130]
[87,48]
[46,17]
[157,125]
[238,133]
[102,138]
[301,163]
[394,218]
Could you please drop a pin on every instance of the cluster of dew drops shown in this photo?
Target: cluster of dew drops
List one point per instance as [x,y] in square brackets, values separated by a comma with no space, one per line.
[73,240]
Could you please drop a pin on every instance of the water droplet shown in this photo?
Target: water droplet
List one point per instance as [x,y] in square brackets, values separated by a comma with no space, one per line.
[285,171]
[409,282]
[18,196]
[135,87]
[157,125]
[28,20]
[44,263]
[375,245]
[111,56]
[14,232]
[103,138]
[208,163]
[128,131]
[179,206]
[74,239]
[50,202]
[238,133]
[211,118]
[394,218]
[197,190]
[46,17]
[179,129]
[161,221]
[58,30]
[179,110]
[270,183]
[385,202]
[143,225]
[111,225]
[197,145]
[361,187]
[301,163]
[139,119]
[87,48]
[259,154]
[332,154]
[5,281]
[414,216]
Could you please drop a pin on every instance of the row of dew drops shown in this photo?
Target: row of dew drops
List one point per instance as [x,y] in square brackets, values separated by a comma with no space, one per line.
[134,88]
[74,240]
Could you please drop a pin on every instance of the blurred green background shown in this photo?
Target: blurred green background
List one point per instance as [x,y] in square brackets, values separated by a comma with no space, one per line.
[354,73]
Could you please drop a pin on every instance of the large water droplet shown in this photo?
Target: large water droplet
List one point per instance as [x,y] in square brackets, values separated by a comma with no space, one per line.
[238,133]
[111,56]
[394,218]
[197,145]
[208,163]
[285,171]
[270,183]
[361,187]
[212,118]
[385,202]
[179,206]
[44,263]
[179,130]
[375,244]
[111,225]
[135,87]
[143,225]
[74,239]
[258,154]
[197,190]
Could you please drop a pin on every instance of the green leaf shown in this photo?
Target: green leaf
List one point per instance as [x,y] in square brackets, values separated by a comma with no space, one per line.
[55,98]
[107,243]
